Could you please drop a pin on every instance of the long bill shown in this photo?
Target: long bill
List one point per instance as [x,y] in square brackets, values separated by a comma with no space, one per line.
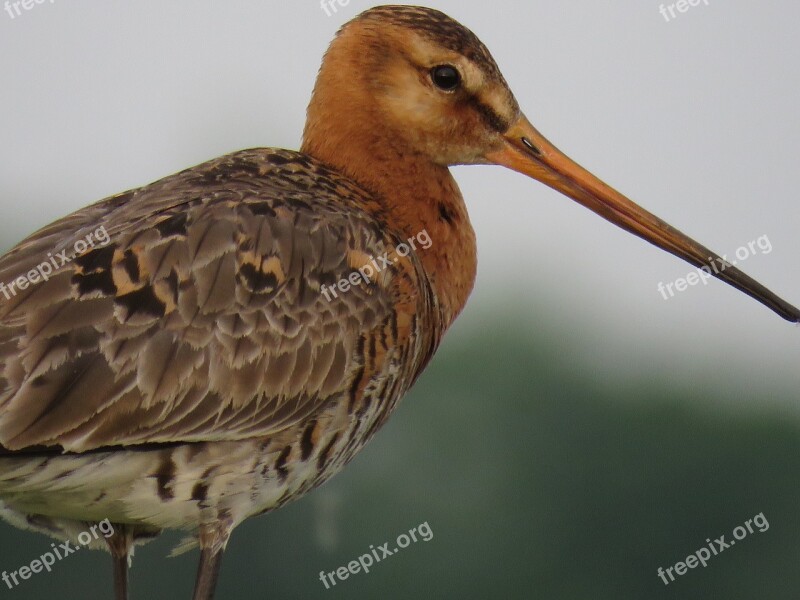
[527,151]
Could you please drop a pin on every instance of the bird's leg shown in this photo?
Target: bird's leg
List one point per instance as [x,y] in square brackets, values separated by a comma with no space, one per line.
[207,574]
[119,543]
[213,539]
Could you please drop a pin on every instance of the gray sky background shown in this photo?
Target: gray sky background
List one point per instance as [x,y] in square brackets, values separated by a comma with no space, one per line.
[695,119]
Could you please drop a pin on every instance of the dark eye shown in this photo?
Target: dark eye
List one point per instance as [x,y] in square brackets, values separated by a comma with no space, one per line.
[446,77]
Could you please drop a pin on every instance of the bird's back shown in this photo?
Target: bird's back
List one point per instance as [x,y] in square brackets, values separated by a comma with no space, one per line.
[208,314]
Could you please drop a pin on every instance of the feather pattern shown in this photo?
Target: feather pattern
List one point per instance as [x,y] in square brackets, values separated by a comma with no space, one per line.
[203,317]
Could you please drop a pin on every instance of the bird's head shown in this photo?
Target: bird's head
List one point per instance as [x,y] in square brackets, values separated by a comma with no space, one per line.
[415,82]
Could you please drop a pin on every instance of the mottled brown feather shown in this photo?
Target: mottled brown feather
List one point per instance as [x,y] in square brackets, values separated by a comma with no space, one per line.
[203,318]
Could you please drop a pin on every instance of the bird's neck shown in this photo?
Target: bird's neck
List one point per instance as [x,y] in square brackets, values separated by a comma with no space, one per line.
[415,194]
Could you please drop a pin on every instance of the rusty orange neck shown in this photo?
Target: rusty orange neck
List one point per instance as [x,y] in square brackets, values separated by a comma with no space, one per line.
[344,131]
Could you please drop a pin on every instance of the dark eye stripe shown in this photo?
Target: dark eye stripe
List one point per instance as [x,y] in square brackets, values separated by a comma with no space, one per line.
[489,115]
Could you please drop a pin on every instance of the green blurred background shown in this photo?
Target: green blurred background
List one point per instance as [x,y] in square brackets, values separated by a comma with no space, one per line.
[540,477]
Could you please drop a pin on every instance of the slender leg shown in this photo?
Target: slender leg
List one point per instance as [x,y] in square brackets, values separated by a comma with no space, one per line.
[120,544]
[121,577]
[213,540]
[207,574]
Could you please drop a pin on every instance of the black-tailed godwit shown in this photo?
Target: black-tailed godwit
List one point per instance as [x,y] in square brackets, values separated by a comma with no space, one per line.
[197,370]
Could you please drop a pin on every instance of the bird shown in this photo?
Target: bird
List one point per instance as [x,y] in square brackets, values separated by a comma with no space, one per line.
[215,344]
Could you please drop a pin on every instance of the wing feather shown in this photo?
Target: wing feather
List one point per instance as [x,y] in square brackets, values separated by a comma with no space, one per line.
[200,316]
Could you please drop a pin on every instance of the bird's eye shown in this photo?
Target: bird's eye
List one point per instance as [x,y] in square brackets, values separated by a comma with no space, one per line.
[446,77]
